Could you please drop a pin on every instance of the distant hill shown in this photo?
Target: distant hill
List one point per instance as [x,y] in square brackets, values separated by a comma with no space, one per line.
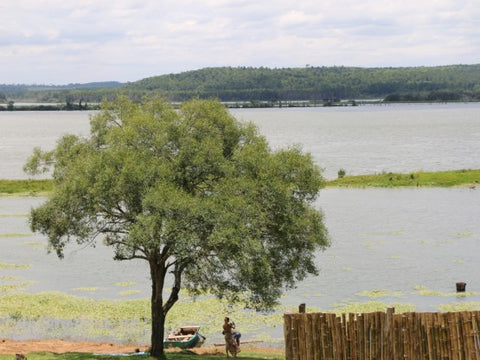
[453,82]
[246,84]
[93,92]
[15,88]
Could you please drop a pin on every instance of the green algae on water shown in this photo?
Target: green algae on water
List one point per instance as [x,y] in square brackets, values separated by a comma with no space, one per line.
[372,306]
[424,291]
[13,266]
[129,292]
[373,294]
[16,235]
[88,289]
[52,313]
[460,306]
[15,287]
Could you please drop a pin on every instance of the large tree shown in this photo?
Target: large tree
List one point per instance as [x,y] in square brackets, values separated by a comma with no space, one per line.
[197,194]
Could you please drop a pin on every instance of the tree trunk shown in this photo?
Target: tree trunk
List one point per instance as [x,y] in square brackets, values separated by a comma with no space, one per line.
[158,317]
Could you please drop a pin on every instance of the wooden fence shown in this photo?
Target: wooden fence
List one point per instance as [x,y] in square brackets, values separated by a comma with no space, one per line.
[382,336]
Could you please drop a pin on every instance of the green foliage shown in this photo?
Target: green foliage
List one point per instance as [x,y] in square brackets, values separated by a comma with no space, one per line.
[193,192]
[266,87]
[439,83]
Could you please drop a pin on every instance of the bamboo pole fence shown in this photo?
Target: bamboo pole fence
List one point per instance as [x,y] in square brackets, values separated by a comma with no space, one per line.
[382,336]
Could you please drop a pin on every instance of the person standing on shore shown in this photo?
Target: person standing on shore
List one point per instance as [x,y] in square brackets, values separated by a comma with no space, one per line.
[231,335]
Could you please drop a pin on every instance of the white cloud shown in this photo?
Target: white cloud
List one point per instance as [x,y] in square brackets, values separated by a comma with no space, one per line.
[63,41]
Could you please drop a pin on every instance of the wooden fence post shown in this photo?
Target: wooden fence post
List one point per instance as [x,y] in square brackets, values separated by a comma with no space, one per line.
[388,339]
[302,308]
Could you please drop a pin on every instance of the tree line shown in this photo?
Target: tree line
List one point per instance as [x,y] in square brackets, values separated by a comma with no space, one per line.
[248,84]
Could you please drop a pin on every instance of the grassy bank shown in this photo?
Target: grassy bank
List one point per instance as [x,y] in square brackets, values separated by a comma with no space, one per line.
[247,355]
[27,187]
[431,179]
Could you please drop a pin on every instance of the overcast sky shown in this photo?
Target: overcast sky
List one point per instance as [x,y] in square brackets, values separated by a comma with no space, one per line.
[67,41]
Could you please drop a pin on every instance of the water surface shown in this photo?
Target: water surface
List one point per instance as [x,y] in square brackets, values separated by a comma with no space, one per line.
[362,140]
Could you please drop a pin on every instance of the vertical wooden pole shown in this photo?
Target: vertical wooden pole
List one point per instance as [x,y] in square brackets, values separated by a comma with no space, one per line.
[295,337]
[388,335]
[287,332]
[317,341]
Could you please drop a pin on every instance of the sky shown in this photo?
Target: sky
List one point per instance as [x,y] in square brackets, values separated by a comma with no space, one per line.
[79,41]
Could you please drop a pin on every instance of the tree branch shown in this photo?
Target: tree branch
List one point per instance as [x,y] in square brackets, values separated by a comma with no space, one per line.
[177,273]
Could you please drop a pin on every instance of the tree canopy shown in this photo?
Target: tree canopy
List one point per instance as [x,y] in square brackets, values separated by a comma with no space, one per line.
[197,194]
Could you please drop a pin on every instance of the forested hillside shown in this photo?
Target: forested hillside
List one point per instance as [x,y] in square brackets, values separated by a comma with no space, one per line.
[455,82]
[71,93]
[244,84]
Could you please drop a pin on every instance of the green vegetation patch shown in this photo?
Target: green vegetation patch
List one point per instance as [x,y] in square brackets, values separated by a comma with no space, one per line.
[372,306]
[88,289]
[55,314]
[437,179]
[13,266]
[9,278]
[373,294]
[31,187]
[424,291]
[15,235]
[460,306]
[14,287]
[434,179]
[129,292]
[57,305]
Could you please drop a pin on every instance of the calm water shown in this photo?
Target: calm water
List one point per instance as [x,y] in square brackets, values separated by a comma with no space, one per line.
[382,239]
[361,140]
[376,138]
[22,131]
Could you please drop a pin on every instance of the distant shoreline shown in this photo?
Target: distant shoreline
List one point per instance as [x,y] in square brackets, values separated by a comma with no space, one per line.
[49,107]
[233,104]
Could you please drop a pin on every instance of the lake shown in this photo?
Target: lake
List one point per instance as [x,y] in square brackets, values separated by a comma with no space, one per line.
[362,140]
[391,243]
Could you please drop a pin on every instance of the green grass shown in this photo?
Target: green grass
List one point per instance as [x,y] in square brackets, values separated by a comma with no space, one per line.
[248,355]
[432,179]
[30,187]
[437,179]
